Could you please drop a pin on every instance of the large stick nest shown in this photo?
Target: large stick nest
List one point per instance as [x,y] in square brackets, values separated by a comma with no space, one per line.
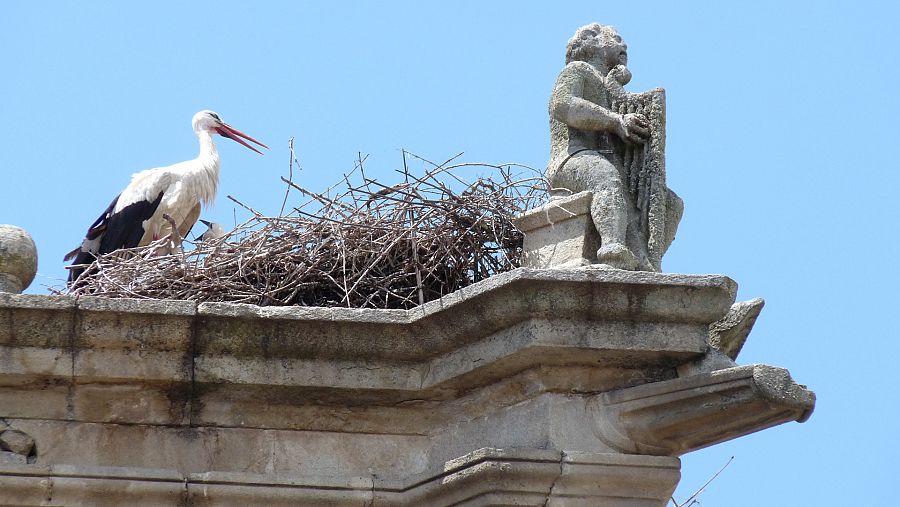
[361,244]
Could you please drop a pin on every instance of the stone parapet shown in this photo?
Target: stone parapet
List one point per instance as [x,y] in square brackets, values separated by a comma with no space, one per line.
[334,406]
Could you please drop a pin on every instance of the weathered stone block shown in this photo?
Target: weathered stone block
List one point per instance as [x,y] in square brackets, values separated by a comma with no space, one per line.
[560,234]
[333,454]
[134,324]
[310,409]
[277,371]
[28,320]
[167,403]
[298,332]
[35,348]
[125,338]
[109,365]
[30,398]
[119,445]
[34,362]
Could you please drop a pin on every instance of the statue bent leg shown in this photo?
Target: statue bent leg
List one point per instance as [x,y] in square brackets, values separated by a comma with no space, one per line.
[588,170]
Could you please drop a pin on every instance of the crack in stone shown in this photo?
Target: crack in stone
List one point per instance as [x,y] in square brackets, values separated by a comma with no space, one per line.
[49,489]
[73,335]
[185,494]
[371,501]
[190,406]
[424,372]
[562,456]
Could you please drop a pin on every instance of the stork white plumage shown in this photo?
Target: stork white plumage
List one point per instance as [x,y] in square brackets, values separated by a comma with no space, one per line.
[136,216]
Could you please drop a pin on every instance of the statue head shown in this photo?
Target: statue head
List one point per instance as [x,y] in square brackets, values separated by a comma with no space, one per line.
[597,44]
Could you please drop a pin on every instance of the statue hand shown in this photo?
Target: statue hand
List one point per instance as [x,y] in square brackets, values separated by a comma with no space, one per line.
[620,74]
[634,127]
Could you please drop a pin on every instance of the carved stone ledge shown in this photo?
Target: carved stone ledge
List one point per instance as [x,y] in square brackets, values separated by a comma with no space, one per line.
[674,417]
[729,333]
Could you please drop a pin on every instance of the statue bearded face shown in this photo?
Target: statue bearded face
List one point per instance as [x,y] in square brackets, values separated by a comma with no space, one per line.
[598,44]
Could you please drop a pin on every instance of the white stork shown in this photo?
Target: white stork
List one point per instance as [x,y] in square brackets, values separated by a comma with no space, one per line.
[136,216]
[213,231]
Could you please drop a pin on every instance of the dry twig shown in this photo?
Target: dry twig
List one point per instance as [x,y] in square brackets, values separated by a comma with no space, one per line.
[693,500]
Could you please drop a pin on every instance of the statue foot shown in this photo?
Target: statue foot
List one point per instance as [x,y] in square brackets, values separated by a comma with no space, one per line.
[617,256]
[644,264]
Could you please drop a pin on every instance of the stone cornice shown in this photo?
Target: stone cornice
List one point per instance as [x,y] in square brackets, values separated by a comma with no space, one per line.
[484,477]
[579,316]
[577,374]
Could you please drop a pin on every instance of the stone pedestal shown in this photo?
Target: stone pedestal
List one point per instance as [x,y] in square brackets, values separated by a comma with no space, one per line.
[560,234]
[534,387]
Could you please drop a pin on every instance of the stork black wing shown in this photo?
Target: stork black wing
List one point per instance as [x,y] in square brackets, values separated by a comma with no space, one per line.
[99,226]
[112,231]
[125,227]
[82,253]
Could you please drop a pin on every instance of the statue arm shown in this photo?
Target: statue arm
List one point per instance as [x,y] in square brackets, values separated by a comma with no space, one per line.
[568,105]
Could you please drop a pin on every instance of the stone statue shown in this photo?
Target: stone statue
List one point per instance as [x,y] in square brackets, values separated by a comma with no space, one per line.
[612,143]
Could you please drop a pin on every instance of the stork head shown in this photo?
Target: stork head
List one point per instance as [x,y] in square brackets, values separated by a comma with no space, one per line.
[213,231]
[209,121]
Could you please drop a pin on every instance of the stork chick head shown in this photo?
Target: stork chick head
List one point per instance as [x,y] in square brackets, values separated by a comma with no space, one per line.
[209,121]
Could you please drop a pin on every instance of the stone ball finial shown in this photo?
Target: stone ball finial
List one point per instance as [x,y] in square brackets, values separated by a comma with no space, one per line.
[18,259]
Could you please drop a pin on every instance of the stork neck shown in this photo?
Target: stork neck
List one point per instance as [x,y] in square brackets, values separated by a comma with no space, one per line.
[207,146]
[205,172]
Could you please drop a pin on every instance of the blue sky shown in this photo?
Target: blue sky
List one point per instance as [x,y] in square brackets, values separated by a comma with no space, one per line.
[782,140]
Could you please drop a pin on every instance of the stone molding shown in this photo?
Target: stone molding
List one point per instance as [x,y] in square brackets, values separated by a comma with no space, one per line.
[484,477]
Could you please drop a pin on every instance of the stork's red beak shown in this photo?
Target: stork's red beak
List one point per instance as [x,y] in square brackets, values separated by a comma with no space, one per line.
[226,130]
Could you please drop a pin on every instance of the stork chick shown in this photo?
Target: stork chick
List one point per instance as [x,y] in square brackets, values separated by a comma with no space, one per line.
[213,231]
[135,216]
